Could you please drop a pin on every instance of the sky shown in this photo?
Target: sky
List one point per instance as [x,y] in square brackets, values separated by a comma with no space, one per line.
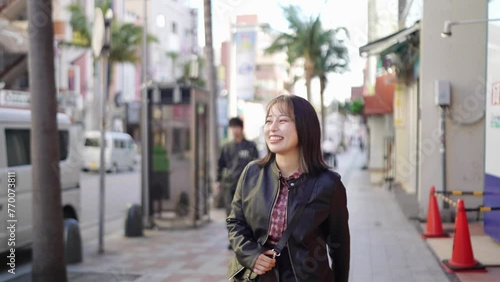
[334,13]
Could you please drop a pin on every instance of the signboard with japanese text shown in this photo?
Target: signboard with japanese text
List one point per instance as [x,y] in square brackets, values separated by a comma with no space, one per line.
[245,64]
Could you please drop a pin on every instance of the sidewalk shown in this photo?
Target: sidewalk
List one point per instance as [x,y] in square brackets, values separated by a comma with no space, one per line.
[385,246]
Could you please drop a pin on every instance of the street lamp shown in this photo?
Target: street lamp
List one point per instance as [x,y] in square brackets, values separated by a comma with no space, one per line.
[104,54]
[107,27]
[448,24]
[147,217]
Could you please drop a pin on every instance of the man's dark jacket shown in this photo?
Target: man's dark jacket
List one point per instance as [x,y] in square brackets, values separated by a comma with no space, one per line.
[233,159]
[323,230]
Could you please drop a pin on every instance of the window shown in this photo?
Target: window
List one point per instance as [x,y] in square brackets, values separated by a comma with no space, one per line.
[160,21]
[91,142]
[63,145]
[174,28]
[19,147]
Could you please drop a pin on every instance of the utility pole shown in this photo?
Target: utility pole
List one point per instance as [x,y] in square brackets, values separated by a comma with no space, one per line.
[144,121]
[103,53]
[212,88]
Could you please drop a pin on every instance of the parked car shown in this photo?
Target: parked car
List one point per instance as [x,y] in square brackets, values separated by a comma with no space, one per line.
[119,152]
[15,163]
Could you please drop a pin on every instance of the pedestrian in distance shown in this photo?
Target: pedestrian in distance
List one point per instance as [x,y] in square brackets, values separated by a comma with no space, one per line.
[329,152]
[235,155]
[289,217]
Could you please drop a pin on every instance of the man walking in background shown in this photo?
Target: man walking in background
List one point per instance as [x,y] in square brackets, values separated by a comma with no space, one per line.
[235,155]
[329,152]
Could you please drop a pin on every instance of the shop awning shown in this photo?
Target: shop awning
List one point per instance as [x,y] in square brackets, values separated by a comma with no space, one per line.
[392,40]
[382,102]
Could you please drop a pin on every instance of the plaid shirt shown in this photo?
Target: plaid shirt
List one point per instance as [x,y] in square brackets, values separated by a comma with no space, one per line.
[279,215]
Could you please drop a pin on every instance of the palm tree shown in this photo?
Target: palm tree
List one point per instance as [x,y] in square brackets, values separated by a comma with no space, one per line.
[126,37]
[48,243]
[81,27]
[126,40]
[304,41]
[187,73]
[334,58]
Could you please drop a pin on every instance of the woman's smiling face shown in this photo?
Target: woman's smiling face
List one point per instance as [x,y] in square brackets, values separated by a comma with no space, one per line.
[279,130]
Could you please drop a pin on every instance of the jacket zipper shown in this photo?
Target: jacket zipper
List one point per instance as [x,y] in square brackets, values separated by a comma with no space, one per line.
[236,273]
[288,245]
[272,208]
[268,227]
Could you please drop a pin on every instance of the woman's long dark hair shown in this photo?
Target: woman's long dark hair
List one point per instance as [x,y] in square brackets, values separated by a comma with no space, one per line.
[308,132]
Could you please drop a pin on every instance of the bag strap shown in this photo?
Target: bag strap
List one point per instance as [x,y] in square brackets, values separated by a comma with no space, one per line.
[295,220]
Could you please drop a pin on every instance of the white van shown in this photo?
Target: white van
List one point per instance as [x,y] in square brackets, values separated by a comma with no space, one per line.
[119,153]
[15,158]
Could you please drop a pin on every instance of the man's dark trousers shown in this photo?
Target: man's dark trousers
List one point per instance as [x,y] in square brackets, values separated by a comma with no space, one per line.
[228,198]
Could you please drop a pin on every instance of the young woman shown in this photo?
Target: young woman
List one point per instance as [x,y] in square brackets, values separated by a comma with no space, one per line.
[271,190]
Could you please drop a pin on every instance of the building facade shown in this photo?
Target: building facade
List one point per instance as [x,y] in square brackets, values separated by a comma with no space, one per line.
[426,153]
[492,124]
[382,21]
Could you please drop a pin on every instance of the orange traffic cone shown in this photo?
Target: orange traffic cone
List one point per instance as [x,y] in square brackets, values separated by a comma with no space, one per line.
[434,228]
[462,258]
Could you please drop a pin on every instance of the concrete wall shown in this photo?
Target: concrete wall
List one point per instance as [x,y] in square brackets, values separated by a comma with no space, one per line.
[380,127]
[412,160]
[461,60]
[405,131]
[382,21]
[401,136]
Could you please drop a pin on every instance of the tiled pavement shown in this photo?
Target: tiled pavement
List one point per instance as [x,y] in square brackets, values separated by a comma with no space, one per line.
[385,245]
[167,256]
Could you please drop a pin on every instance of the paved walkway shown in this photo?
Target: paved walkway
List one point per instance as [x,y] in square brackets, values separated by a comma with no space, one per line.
[385,245]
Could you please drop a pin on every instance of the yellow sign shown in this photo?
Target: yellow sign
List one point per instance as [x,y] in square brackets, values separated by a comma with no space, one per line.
[93,165]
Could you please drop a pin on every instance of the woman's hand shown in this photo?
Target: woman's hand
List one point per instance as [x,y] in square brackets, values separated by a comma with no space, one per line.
[264,262]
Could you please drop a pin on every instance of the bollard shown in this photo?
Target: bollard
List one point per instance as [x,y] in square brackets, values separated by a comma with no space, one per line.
[182,208]
[133,223]
[72,241]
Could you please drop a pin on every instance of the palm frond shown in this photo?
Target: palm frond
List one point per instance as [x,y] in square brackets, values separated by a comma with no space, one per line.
[79,24]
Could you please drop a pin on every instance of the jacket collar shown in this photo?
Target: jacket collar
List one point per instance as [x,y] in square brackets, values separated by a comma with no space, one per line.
[274,168]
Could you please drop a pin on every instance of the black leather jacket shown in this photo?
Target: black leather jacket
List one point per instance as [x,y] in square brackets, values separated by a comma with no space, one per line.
[323,230]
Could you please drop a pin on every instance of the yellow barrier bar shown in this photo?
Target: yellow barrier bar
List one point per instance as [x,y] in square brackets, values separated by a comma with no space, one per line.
[485,209]
[478,193]
[456,193]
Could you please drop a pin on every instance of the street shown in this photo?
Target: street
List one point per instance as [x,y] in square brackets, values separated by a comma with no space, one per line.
[122,189]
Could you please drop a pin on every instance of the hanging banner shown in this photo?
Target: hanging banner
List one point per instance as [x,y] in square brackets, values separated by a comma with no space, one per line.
[245,64]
